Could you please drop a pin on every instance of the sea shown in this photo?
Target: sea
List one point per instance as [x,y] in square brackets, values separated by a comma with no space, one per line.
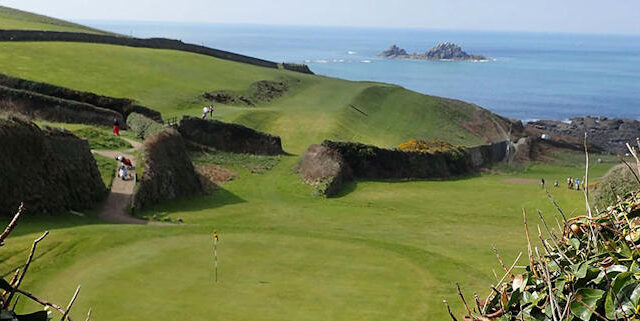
[530,76]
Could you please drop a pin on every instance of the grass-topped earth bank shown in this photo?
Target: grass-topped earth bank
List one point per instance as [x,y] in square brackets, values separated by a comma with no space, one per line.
[377,250]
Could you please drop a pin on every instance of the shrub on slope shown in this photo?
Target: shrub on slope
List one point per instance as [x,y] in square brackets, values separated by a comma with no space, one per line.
[619,181]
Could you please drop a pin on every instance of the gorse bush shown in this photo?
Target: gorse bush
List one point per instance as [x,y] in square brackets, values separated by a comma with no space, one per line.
[432,146]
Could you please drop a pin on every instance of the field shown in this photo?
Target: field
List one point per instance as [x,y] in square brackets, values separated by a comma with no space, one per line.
[16,19]
[382,250]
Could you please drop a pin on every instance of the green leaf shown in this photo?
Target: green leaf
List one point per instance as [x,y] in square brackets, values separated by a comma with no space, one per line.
[579,270]
[621,301]
[590,297]
[621,280]
[575,243]
[515,298]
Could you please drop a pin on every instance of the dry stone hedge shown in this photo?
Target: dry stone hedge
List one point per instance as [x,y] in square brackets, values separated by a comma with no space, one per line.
[229,137]
[168,171]
[50,170]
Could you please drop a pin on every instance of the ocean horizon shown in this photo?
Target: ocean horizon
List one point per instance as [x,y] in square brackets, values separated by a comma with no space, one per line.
[530,76]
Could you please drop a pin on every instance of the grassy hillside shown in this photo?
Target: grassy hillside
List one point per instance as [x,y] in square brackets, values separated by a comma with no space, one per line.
[313,109]
[18,19]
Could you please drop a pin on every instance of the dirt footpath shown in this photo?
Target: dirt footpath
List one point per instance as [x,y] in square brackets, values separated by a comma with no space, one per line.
[115,207]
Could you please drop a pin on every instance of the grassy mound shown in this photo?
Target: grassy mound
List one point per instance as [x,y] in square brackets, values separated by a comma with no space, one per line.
[17,19]
[618,182]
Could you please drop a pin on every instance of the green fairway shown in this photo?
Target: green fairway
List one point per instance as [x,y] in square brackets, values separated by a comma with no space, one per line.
[383,250]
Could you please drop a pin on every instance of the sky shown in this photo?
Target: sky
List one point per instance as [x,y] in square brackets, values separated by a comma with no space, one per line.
[582,16]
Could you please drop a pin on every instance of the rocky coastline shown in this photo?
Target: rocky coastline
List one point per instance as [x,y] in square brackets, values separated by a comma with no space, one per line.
[442,51]
[608,134]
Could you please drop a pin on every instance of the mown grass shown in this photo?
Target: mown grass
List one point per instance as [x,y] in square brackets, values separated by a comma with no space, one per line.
[383,250]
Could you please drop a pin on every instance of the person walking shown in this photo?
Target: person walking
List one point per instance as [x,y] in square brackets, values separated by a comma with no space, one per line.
[116,127]
[211,111]
[577,184]
[555,183]
[542,182]
[205,110]
[570,183]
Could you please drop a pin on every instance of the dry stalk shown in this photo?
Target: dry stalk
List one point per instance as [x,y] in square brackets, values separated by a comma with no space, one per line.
[73,299]
[586,191]
[11,225]
[26,267]
[553,200]
[500,282]
[529,249]
[42,302]
[464,302]
[504,266]
[449,310]
[88,315]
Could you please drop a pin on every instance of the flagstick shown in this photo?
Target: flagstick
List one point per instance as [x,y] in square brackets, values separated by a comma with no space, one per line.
[215,254]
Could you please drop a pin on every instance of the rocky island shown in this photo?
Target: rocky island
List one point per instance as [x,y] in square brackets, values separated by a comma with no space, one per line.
[443,51]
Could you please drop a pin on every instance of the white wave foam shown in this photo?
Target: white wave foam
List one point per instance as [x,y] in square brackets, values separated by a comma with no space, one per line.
[352,52]
[366,61]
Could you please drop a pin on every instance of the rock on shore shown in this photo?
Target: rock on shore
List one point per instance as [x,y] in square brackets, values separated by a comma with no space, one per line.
[610,134]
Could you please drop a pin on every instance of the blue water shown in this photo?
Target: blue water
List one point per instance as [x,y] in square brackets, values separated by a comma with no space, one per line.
[532,76]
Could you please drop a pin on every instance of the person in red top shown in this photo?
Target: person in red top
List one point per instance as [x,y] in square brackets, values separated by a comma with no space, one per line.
[116,127]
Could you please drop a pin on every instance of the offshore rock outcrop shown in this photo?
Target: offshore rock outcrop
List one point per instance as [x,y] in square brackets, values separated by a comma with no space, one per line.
[49,170]
[442,51]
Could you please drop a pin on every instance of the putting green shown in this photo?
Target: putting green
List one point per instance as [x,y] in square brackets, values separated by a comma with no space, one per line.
[261,276]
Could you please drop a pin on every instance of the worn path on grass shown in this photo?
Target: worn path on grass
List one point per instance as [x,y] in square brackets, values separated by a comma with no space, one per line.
[115,207]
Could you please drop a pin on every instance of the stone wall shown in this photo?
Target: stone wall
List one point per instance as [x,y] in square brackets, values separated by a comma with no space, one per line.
[168,171]
[229,137]
[123,106]
[54,109]
[49,170]
[327,165]
[156,43]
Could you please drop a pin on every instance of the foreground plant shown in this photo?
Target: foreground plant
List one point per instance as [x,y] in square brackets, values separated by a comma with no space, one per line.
[10,290]
[589,269]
